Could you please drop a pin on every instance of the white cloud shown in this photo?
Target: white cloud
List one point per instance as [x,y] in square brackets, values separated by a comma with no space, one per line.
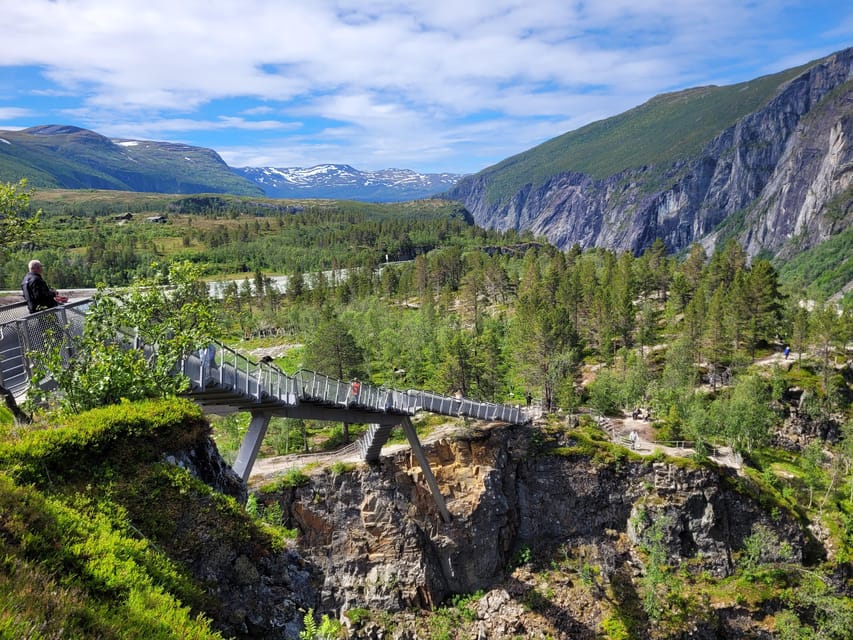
[10,113]
[397,73]
[166,128]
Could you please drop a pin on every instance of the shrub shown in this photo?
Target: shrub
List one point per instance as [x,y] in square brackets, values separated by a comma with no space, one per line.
[170,314]
[328,629]
[85,441]
[522,556]
[763,546]
[615,629]
[338,467]
[294,477]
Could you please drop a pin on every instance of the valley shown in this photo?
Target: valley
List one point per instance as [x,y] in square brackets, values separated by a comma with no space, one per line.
[699,278]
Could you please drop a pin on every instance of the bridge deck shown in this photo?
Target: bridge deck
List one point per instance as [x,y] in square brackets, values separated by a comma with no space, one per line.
[226,381]
[232,381]
[222,380]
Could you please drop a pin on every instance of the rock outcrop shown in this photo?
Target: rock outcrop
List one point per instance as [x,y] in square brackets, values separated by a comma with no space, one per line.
[377,539]
[779,180]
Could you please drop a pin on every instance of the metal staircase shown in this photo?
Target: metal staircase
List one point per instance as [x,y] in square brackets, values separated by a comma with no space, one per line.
[371,443]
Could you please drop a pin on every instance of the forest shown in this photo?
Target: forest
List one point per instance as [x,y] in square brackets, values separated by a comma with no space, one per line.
[717,349]
[425,299]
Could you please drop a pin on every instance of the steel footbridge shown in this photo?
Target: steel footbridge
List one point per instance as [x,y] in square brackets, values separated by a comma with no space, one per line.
[224,381]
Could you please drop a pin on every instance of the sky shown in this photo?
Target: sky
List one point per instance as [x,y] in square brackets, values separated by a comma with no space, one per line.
[430,85]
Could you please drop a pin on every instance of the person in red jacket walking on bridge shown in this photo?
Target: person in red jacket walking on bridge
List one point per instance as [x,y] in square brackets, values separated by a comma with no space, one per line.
[355,389]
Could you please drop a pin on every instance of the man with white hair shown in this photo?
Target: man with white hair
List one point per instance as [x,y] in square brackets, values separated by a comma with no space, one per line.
[36,292]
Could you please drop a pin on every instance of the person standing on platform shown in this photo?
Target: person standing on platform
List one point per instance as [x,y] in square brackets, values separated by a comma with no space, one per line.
[38,295]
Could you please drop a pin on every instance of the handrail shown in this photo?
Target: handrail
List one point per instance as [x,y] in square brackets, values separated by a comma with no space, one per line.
[225,368]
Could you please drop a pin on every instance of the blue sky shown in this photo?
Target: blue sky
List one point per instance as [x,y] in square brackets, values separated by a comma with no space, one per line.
[430,85]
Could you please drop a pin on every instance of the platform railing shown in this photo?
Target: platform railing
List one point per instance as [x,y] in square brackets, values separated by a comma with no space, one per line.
[224,367]
[23,333]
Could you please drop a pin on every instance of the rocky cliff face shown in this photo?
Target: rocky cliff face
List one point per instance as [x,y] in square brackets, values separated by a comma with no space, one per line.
[779,179]
[377,539]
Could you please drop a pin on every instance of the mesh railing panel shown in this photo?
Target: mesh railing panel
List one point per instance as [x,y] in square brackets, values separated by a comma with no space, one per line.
[14,374]
[10,312]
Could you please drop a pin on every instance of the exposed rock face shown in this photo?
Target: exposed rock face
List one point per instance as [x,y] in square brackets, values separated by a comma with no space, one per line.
[204,462]
[256,591]
[263,595]
[786,168]
[378,540]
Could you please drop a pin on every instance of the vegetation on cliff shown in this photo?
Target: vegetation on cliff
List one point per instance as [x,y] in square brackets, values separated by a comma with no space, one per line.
[699,341]
[79,560]
[667,128]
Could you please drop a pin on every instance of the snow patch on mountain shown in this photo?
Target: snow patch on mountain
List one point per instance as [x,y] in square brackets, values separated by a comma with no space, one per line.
[341,181]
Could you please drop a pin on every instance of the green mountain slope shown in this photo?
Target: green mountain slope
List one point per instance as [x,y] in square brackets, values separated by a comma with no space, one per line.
[664,129]
[73,158]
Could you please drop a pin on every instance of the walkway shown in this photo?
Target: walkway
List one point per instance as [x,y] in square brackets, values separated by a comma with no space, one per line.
[224,381]
[620,429]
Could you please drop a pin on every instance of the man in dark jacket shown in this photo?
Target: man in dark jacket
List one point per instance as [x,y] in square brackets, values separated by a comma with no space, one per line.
[36,292]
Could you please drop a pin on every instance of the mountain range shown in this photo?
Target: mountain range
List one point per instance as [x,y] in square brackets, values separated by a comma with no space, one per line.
[68,157]
[343,182]
[768,162]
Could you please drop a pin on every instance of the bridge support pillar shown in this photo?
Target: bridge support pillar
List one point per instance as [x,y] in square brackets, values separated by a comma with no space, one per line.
[251,444]
[412,437]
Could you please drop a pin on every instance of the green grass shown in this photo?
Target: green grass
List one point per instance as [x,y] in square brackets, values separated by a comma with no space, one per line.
[289,479]
[97,533]
[68,573]
[84,553]
[423,423]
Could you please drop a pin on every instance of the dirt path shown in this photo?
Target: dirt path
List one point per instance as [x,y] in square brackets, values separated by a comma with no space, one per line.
[645,444]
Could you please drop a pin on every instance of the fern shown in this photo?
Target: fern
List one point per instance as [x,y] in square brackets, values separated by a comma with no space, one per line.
[328,629]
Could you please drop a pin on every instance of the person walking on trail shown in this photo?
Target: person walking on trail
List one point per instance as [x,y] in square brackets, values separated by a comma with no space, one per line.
[38,295]
[633,438]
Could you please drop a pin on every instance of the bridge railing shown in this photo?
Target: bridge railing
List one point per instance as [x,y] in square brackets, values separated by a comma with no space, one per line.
[438,403]
[317,387]
[223,366]
[22,333]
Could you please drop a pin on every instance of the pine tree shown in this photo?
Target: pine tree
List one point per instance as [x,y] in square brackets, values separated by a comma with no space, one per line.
[715,336]
[457,368]
[764,306]
[333,351]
